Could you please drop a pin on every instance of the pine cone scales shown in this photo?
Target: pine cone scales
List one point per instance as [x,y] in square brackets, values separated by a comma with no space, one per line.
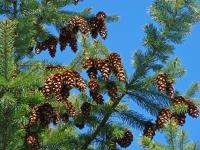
[97,97]
[180,118]
[71,111]
[117,66]
[179,100]
[104,68]
[192,109]
[161,82]
[126,140]
[51,67]
[32,141]
[49,44]
[60,83]
[80,23]
[164,116]
[85,108]
[93,84]
[149,130]
[92,73]
[112,91]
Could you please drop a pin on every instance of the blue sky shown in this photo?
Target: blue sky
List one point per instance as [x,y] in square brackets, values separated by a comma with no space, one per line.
[126,36]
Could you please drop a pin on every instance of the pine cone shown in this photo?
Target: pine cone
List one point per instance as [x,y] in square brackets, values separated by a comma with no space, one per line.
[71,111]
[117,66]
[161,81]
[56,117]
[164,116]
[65,117]
[32,141]
[64,38]
[149,130]
[126,140]
[97,97]
[104,68]
[112,91]
[80,23]
[52,42]
[93,84]
[192,109]
[94,27]
[51,67]
[170,90]
[85,108]
[180,118]
[92,73]
[179,100]
[88,63]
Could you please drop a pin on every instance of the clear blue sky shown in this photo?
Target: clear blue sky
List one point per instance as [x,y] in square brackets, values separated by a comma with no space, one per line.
[126,36]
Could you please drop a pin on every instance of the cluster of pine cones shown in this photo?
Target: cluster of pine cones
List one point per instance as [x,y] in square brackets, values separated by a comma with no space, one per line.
[68,34]
[41,114]
[104,66]
[165,114]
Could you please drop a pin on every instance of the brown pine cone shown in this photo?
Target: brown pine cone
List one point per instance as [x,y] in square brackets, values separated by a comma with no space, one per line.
[149,130]
[164,116]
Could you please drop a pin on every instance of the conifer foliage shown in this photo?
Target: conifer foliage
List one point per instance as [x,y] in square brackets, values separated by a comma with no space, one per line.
[34,94]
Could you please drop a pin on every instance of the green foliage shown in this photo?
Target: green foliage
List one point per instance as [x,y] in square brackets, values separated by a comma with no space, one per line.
[7,39]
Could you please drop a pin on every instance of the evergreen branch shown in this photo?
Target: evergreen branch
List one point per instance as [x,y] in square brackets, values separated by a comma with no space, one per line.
[195,87]
[132,118]
[7,38]
[96,131]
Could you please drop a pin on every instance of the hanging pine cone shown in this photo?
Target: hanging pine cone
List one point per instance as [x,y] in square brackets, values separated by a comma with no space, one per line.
[112,91]
[49,44]
[71,111]
[164,116]
[34,117]
[85,108]
[161,81]
[52,42]
[45,114]
[104,67]
[149,130]
[31,140]
[178,100]
[94,27]
[64,38]
[192,109]
[93,84]
[73,44]
[126,140]
[80,23]
[69,79]
[170,90]
[92,73]
[56,117]
[88,63]
[65,117]
[57,86]
[179,118]
[117,66]
[101,16]
[97,97]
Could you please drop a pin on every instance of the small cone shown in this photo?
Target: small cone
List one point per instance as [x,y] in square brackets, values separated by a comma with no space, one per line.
[85,108]
[112,91]
[71,111]
[192,109]
[92,73]
[32,141]
[161,81]
[98,98]
[164,116]
[180,118]
[126,140]
[149,130]
[93,84]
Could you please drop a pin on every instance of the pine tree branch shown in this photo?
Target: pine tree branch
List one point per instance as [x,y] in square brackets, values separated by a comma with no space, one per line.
[93,135]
